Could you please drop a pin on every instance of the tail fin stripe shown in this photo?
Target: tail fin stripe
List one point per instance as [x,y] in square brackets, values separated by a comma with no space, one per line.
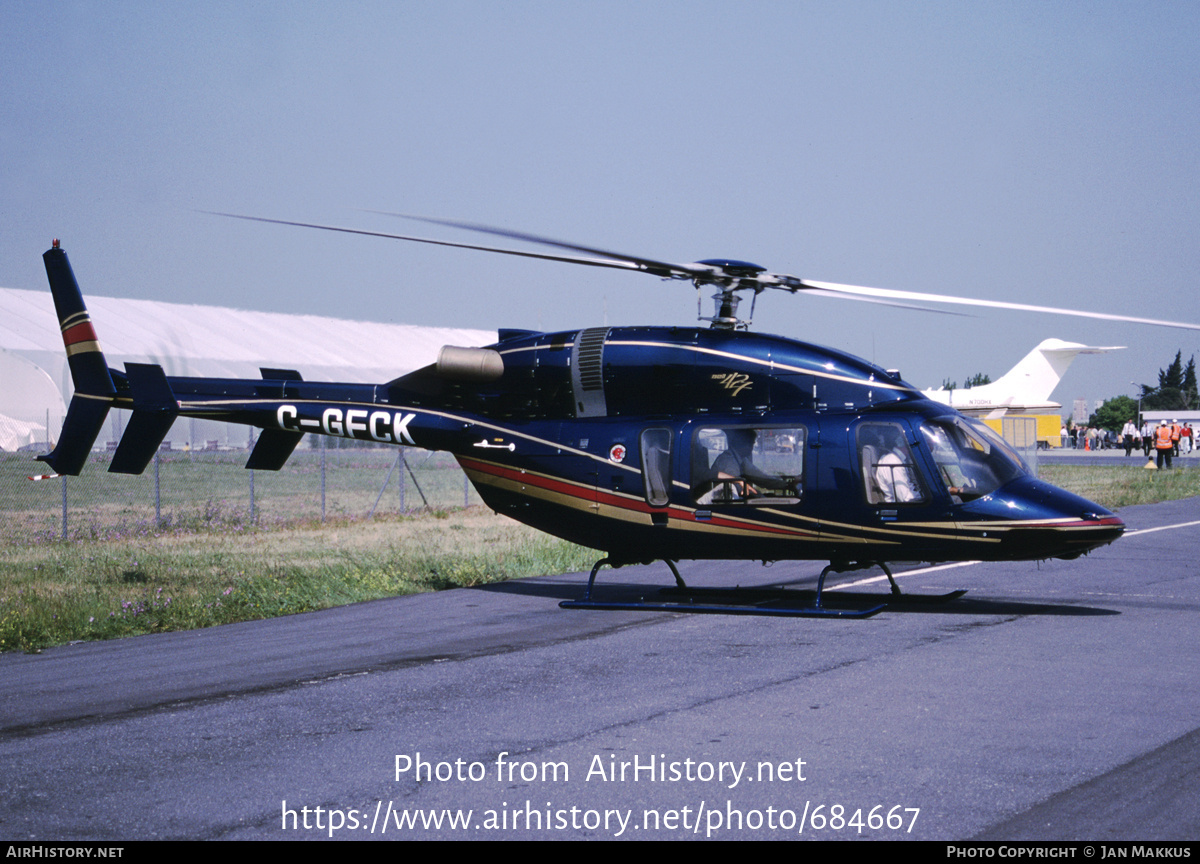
[83,348]
[83,332]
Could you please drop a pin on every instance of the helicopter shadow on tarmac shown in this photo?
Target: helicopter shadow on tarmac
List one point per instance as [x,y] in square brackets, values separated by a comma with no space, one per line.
[768,598]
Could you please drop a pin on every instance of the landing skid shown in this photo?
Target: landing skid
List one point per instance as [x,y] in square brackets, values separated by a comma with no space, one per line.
[898,596]
[773,602]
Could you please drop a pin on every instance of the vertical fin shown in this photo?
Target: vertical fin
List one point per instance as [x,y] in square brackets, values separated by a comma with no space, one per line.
[94,390]
[273,449]
[154,411]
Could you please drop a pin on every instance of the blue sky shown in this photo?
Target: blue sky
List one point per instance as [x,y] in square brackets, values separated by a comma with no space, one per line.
[1035,152]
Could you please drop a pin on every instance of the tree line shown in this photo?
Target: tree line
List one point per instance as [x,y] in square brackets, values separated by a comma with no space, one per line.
[1176,391]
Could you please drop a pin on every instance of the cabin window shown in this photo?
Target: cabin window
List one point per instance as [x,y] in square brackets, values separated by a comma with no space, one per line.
[972,460]
[889,474]
[748,465]
[656,466]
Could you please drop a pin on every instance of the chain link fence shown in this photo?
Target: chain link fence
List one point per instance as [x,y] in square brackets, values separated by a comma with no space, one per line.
[1022,434]
[324,479]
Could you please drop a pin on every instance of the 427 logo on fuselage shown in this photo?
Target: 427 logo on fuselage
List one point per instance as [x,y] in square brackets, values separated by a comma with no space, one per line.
[387,426]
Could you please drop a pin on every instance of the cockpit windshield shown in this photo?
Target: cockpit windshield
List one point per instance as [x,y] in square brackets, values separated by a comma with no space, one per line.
[972,460]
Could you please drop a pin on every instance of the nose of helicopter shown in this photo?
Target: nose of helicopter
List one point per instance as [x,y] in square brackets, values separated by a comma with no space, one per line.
[1030,519]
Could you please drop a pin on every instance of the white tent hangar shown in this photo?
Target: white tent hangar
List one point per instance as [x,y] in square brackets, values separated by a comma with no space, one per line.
[211,341]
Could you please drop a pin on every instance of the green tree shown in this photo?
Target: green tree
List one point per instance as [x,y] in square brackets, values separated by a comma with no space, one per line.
[1176,388]
[1113,414]
[976,380]
[1190,394]
[1172,376]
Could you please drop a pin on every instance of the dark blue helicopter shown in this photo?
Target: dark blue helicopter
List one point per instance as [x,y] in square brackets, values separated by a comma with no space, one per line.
[647,443]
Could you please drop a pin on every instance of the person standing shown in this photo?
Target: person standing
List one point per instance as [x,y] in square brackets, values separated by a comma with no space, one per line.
[1128,433]
[1163,444]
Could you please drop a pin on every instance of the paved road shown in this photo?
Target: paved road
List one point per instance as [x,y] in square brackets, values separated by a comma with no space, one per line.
[1054,701]
[1112,458]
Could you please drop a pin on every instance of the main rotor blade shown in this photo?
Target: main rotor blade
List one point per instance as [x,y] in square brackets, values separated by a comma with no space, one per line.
[591,262]
[702,274]
[861,290]
[649,265]
[839,295]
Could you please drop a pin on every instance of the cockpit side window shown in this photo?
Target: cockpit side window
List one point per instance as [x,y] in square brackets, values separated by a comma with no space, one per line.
[889,473]
[748,465]
[972,460]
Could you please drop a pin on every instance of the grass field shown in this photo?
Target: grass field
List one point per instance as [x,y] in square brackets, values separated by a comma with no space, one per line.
[99,589]
[210,557]
[1123,485]
[200,490]
[208,562]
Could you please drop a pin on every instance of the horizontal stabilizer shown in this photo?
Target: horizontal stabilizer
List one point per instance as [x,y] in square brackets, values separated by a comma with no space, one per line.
[149,387]
[273,449]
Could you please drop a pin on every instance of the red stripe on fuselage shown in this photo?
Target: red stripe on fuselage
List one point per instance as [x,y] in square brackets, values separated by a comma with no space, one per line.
[1106,522]
[596,496]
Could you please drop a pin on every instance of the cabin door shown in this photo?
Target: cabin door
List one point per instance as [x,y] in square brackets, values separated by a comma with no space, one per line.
[891,501]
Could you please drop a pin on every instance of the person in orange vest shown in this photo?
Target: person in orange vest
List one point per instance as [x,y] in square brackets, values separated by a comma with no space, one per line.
[1176,430]
[1163,444]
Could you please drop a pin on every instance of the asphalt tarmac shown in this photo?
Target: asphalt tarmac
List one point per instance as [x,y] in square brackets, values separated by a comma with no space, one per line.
[1112,457]
[1054,701]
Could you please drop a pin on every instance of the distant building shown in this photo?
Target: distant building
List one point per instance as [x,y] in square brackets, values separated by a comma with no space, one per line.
[1080,413]
[212,341]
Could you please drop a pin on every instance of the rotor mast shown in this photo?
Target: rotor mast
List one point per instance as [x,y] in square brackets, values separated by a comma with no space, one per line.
[729,277]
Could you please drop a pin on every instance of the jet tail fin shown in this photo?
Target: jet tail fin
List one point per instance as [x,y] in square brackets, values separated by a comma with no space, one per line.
[1025,387]
[94,389]
[1036,375]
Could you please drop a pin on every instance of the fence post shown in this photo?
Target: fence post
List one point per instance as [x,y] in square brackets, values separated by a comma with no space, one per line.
[250,447]
[157,491]
[64,507]
[383,488]
[403,480]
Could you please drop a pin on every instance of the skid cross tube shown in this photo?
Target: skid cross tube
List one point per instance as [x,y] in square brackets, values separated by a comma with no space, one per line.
[747,601]
[845,568]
